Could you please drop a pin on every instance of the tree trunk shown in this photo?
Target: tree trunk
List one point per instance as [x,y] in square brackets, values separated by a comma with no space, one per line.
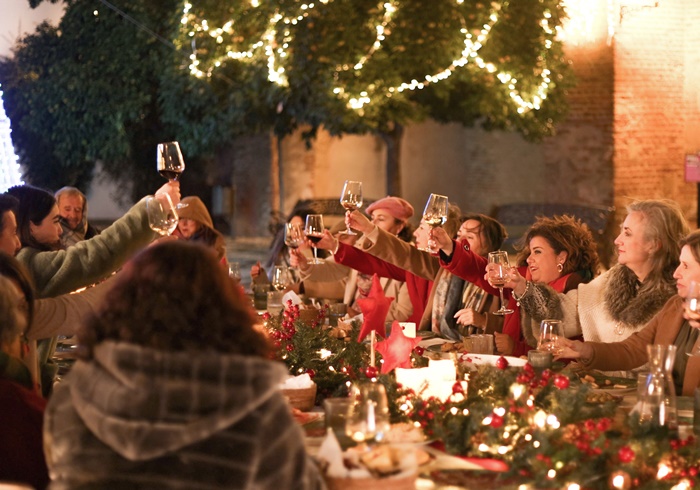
[392,139]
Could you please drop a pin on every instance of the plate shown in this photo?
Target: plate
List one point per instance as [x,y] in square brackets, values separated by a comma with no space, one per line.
[426,334]
[488,359]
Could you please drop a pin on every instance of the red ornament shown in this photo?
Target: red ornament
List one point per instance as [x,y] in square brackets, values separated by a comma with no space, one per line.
[396,350]
[290,347]
[266,316]
[496,421]
[419,350]
[374,310]
[457,388]
[371,372]
[311,373]
[502,363]
[561,381]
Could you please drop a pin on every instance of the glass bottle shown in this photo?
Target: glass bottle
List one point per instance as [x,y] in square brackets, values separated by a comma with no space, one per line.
[657,399]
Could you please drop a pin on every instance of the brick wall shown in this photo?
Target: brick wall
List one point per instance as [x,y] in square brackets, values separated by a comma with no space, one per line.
[651,102]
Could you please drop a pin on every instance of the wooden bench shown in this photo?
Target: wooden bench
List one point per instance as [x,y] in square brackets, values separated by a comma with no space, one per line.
[517,218]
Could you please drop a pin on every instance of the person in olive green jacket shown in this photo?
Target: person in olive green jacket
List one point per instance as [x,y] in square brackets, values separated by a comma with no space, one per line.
[55,271]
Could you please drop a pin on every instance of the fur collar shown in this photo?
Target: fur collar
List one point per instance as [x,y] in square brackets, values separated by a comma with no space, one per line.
[630,302]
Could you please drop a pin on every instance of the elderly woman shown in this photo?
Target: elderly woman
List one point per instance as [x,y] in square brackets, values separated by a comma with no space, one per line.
[668,327]
[622,300]
[176,391]
[21,408]
[558,251]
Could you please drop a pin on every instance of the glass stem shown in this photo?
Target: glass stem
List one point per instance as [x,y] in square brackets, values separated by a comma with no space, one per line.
[315,257]
[503,304]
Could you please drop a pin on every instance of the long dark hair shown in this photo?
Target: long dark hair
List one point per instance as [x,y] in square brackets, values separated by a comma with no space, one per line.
[176,297]
[34,205]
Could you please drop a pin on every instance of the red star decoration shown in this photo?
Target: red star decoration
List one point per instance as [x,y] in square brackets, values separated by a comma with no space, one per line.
[396,350]
[374,309]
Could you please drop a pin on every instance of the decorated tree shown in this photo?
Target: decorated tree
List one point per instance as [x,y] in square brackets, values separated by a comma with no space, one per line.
[357,66]
[9,169]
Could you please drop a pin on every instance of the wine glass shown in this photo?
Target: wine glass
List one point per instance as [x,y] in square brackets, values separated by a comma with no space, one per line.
[280,278]
[161,218]
[498,276]
[435,214]
[550,331]
[314,232]
[351,199]
[234,271]
[368,414]
[170,163]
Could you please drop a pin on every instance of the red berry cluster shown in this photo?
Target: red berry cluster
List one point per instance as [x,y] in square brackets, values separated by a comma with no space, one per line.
[585,434]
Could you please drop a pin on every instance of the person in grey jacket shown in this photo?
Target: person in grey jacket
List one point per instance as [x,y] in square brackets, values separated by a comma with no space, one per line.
[176,391]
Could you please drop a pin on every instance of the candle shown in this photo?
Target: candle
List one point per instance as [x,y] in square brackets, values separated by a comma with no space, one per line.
[409,329]
[540,359]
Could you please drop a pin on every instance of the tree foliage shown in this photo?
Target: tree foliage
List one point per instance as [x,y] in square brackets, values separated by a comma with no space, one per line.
[107,86]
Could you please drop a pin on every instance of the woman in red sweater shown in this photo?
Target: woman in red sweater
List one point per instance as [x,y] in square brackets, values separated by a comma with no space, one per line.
[558,251]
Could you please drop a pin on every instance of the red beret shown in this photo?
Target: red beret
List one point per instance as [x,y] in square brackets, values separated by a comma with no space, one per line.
[395,206]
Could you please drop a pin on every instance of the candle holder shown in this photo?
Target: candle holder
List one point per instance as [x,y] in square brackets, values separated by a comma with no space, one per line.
[540,359]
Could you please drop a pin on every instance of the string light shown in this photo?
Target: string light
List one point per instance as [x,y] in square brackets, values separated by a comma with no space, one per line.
[275,54]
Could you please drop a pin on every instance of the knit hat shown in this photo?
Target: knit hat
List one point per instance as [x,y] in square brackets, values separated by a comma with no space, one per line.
[395,206]
[196,211]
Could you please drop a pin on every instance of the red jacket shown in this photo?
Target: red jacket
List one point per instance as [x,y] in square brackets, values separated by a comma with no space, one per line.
[472,267]
[21,448]
[418,287]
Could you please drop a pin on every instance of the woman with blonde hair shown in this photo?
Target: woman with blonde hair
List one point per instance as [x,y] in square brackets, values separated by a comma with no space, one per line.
[623,299]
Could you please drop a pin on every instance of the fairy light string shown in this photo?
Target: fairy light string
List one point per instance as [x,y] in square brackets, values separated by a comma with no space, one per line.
[273,48]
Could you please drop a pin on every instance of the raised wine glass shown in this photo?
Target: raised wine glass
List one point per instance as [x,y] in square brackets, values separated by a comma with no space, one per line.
[435,214]
[170,163]
[280,278]
[293,237]
[498,276]
[351,199]
[161,218]
[314,232]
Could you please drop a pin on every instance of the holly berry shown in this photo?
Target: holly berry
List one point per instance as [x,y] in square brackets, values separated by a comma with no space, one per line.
[496,421]
[371,372]
[457,388]
[502,363]
[266,316]
[419,350]
[290,347]
[561,381]
[311,373]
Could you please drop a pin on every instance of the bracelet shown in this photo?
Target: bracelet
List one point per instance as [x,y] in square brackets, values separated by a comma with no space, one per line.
[518,298]
[335,249]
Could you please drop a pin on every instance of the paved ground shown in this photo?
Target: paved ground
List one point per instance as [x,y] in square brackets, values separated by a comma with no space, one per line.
[246,251]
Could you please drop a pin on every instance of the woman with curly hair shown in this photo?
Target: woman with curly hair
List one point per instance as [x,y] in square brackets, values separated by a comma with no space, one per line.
[622,300]
[174,388]
[558,251]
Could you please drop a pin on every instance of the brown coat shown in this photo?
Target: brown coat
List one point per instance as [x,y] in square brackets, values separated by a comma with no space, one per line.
[402,254]
[631,352]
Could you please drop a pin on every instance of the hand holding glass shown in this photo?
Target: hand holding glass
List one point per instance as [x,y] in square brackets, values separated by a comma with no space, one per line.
[351,199]
[435,214]
[281,279]
[314,232]
[498,276]
[170,163]
[161,218]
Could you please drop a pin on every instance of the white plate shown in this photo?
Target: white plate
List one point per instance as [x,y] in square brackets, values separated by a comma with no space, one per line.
[491,359]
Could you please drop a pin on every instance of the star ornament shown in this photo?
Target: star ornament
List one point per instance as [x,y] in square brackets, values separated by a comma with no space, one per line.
[396,350]
[374,310]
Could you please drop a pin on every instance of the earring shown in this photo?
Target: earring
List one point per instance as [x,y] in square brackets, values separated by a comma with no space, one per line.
[560,267]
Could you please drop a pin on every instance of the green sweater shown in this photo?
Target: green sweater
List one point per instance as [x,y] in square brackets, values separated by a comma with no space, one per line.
[60,272]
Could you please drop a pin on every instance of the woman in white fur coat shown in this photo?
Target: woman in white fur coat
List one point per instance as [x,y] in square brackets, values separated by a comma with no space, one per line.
[622,300]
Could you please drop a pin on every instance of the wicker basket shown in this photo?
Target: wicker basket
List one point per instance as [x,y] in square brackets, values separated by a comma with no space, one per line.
[302,399]
[403,483]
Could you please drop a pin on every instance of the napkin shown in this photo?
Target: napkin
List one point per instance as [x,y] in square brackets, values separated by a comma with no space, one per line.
[291,296]
[297,382]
